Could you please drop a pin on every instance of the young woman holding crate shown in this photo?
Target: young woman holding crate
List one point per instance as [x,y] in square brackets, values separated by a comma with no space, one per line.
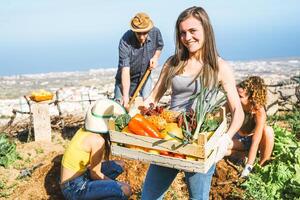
[195,57]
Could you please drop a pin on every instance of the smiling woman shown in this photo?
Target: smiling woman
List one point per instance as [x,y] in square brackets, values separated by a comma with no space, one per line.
[195,65]
[191,34]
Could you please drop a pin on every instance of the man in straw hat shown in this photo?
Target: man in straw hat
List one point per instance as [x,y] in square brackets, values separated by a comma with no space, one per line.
[139,48]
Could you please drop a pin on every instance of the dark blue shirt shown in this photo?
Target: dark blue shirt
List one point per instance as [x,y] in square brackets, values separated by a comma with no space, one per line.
[137,57]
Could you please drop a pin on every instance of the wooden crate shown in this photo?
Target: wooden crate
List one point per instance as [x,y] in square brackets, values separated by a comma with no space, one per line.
[205,151]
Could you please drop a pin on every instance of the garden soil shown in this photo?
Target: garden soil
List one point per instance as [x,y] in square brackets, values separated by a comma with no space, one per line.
[43,160]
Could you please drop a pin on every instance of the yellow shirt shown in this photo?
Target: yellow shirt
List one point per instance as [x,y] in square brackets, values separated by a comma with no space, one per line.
[75,158]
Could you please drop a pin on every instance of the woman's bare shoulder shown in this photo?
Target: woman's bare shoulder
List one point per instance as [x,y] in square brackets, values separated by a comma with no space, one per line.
[223,64]
[259,110]
[225,70]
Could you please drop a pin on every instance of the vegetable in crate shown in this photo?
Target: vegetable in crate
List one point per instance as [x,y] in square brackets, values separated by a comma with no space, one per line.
[169,115]
[152,110]
[159,122]
[172,132]
[122,121]
[207,101]
[141,126]
[194,122]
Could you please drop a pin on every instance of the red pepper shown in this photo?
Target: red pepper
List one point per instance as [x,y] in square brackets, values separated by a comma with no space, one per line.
[140,125]
[134,127]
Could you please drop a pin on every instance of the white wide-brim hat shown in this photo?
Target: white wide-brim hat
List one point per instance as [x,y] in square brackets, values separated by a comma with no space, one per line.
[99,113]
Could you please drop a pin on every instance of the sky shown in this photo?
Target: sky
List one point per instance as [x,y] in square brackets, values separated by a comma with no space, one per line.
[38,36]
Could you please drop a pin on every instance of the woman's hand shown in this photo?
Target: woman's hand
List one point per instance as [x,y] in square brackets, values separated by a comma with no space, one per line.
[246,171]
[149,100]
[224,142]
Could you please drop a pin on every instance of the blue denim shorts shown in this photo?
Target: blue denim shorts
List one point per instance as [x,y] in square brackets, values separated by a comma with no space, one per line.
[245,140]
[83,187]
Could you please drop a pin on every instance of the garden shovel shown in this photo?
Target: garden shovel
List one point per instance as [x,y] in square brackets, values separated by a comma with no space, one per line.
[137,90]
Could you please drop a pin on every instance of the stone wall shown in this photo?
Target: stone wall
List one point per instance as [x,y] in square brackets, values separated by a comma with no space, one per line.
[283,95]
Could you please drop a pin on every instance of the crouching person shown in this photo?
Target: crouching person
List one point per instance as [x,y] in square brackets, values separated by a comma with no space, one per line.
[86,172]
[255,135]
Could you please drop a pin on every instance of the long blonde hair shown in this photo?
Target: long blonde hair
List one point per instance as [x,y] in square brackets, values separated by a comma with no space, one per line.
[209,55]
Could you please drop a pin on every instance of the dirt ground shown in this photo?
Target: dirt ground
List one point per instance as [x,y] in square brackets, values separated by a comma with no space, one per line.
[44,161]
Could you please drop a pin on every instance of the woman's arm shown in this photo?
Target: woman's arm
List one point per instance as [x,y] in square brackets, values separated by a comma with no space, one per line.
[260,118]
[160,86]
[97,147]
[228,83]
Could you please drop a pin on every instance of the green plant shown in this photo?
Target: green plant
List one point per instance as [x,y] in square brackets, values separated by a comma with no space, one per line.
[6,190]
[8,153]
[281,178]
[39,150]
[292,118]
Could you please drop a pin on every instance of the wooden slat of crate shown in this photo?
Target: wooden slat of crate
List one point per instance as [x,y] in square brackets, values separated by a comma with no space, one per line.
[154,143]
[201,151]
[213,140]
[201,165]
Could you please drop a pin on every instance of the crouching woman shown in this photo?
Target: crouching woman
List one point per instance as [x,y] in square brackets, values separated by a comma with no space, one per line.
[86,172]
[255,135]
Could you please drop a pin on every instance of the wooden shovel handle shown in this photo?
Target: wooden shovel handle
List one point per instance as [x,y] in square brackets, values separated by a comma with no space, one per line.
[137,90]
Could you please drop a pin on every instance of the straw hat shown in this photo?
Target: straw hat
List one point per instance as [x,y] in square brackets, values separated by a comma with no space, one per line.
[97,116]
[141,22]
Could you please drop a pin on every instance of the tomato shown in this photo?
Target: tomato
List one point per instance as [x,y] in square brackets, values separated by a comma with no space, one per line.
[176,155]
[164,153]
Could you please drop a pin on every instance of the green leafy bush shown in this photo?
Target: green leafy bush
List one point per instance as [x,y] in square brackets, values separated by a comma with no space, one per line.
[8,153]
[281,178]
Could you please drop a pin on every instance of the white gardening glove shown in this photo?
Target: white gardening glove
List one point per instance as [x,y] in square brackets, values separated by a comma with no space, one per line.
[223,145]
[246,171]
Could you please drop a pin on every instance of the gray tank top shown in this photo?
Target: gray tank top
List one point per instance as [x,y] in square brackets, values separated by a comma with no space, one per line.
[183,87]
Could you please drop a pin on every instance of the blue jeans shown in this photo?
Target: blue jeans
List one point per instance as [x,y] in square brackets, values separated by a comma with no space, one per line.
[158,180]
[83,187]
[144,92]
